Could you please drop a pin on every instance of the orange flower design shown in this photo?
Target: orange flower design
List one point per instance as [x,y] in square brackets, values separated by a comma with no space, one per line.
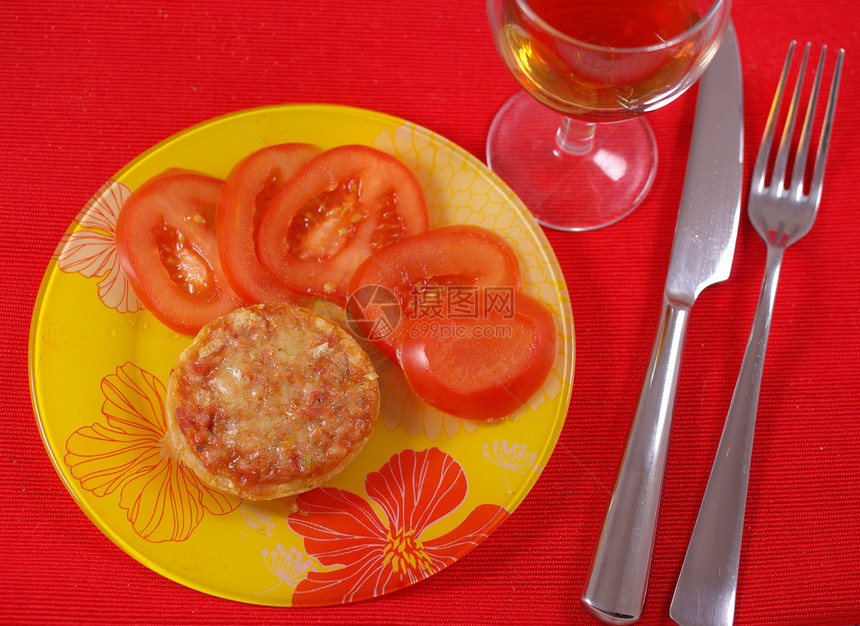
[367,556]
[130,453]
[92,251]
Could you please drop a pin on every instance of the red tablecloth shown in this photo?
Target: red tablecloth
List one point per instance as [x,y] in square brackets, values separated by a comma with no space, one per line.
[87,87]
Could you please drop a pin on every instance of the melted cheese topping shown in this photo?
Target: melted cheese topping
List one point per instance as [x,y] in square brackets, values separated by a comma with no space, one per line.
[271,395]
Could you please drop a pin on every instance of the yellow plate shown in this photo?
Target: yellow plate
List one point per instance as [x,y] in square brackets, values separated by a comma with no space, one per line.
[425,489]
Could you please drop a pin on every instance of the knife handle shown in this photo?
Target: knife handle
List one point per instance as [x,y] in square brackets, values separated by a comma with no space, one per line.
[618,579]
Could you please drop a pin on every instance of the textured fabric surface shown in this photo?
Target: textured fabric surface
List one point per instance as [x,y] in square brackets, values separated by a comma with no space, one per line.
[87,87]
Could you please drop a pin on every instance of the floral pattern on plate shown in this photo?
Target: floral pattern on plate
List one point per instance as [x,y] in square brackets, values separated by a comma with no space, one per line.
[129,453]
[370,555]
[91,251]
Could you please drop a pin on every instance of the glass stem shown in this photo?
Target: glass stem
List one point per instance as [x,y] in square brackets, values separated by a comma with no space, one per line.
[575,137]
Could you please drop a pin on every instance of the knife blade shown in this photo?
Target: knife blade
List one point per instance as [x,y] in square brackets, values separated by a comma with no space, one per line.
[702,252]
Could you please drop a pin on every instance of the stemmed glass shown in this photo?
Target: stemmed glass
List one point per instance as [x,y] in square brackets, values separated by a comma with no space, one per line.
[573,146]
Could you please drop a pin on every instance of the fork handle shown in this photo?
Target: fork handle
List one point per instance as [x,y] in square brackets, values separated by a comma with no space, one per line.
[705,592]
[618,579]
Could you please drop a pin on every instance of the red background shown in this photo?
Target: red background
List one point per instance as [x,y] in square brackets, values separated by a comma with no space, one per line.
[86,87]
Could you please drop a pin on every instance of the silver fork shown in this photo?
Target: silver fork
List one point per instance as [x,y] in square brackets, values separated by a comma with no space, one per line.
[705,592]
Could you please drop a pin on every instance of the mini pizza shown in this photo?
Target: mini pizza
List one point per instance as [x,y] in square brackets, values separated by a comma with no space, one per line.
[270,401]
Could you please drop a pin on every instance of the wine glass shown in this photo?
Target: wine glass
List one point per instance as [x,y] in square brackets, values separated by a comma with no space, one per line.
[573,145]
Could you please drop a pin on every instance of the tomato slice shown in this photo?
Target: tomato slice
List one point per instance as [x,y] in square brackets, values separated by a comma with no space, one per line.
[339,208]
[456,270]
[167,250]
[248,190]
[482,368]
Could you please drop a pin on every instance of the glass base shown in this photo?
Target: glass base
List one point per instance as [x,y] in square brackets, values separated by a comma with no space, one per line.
[571,185]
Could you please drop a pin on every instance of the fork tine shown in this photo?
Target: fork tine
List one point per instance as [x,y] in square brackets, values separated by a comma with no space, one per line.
[760,168]
[824,141]
[796,185]
[781,162]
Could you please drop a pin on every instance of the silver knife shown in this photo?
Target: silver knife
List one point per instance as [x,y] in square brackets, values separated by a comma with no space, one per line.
[702,252]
